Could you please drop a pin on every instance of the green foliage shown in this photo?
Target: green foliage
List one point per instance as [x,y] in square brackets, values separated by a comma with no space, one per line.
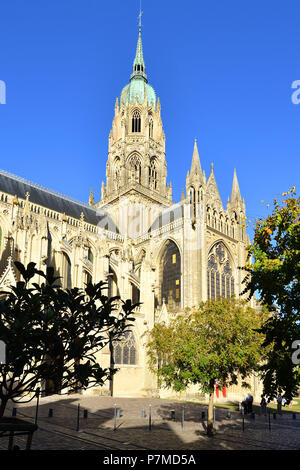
[53,335]
[217,341]
[274,272]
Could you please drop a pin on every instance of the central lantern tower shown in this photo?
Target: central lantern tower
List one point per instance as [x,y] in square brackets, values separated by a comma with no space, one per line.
[136,168]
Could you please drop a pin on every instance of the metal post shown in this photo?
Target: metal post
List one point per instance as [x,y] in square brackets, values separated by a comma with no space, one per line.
[150,418]
[143,414]
[214,417]
[115,418]
[37,404]
[243,419]
[182,418]
[78,416]
[50,413]
[269,420]
[85,414]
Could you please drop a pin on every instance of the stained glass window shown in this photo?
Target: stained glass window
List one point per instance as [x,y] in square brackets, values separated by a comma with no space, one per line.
[124,351]
[170,273]
[220,280]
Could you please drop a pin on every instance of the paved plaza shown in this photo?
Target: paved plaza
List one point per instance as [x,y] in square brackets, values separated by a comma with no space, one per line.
[96,431]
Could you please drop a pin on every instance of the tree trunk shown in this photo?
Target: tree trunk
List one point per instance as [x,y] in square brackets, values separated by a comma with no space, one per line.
[3,404]
[210,415]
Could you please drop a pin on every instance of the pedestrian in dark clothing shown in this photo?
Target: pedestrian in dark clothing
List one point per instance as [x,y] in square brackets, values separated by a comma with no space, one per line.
[263,405]
[250,402]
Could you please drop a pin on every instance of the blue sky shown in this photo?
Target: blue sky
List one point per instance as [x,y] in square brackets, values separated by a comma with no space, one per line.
[223,72]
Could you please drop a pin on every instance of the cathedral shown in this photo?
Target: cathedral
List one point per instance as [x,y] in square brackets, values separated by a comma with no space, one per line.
[164,254]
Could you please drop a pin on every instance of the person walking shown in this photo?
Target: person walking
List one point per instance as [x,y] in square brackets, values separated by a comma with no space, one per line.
[263,405]
[250,402]
[279,403]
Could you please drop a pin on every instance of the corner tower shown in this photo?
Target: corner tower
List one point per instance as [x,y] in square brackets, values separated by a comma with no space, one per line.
[136,163]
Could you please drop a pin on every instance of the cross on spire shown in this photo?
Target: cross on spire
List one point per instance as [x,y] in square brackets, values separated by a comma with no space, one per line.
[140,15]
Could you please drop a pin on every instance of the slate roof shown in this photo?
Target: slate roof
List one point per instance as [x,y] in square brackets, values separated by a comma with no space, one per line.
[53,200]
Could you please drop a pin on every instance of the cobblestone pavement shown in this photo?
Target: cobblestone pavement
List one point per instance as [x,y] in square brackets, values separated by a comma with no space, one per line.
[132,432]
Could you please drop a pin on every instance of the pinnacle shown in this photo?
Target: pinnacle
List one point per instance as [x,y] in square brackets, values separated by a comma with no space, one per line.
[235,193]
[196,166]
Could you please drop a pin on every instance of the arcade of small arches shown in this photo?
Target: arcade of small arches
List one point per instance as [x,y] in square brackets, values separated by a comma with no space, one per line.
[230,226]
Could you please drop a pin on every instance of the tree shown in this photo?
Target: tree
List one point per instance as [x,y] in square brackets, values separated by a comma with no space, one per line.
[216,342]
[52,335]
[274,271]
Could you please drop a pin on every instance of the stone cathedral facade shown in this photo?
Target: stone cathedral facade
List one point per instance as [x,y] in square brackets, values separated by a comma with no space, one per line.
[167,255]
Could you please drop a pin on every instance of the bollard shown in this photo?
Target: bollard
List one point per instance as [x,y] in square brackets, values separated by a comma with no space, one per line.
[115,418]
[203,415]
[150,419]
[118,413]
[269,421]
[50,413]
[143,414]
[37,393]
[14,412]
[182,418]
[78,416]
[85,414]
[173,415]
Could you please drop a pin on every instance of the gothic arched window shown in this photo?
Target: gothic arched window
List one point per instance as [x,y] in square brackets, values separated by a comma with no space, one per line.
[136,121]
[152,175]
[220,280]
[151,128]
[66,272]
[135,171]
[116,172]
[170,273]
[90,255]
[87,278]
[124,351]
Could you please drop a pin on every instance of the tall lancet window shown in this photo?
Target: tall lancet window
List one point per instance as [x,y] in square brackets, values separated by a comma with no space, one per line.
[151,128]
[152,175]
[220,280]
[136,121]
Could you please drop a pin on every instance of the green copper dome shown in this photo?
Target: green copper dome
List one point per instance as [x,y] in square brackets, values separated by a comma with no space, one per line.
[138,87]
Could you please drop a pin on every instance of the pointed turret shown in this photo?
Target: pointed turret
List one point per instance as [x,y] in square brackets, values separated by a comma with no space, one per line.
[212,191]
[236,202]
[196,166]
[91,198]
[182,198]
[235,192]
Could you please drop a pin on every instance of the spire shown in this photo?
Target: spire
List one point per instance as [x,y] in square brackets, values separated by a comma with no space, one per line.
[235,193]
[196,166]
[212,191]
[182,198]
[139,68]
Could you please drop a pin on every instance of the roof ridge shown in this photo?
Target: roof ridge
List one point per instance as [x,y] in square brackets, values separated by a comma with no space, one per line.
[50,191]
